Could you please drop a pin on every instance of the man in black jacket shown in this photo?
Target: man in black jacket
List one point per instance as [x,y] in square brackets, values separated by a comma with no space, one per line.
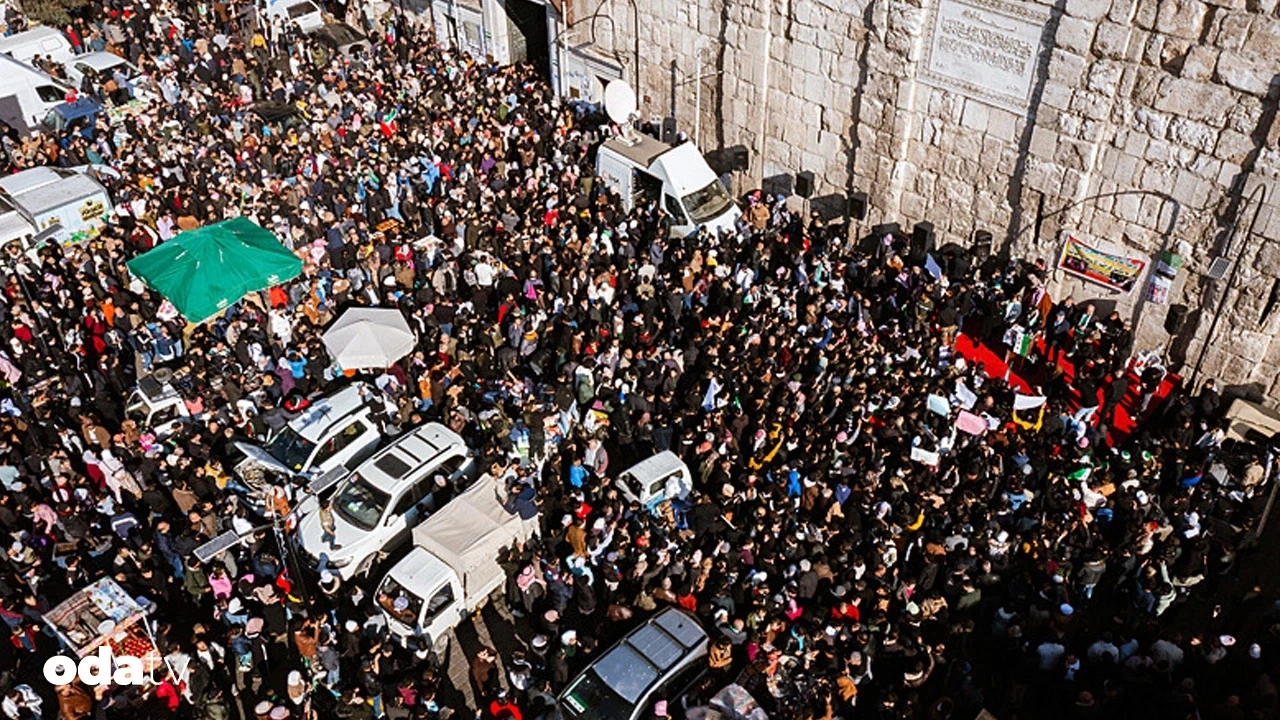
[1116,390]
[1208,401]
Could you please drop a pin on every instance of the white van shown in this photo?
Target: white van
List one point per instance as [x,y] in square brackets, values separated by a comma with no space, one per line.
[656,480]
[38,41]
[641,169]
[16,227]
[27,95]
[59,196]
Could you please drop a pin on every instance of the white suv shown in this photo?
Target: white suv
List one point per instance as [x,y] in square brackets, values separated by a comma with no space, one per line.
[377,506]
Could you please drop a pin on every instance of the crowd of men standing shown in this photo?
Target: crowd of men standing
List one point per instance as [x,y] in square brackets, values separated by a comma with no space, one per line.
[854,543]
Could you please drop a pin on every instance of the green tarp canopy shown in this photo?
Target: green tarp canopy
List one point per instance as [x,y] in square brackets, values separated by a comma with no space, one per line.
[206,270]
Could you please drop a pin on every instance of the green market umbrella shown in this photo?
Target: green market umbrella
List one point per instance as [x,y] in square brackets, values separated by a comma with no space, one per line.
[205,270]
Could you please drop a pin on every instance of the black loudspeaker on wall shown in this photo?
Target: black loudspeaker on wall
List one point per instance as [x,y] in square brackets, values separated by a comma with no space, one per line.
[804,183]
[668,130]
[741,159]
[921,240]
[886,229]
[982,242]
[856,207]
[1175,319]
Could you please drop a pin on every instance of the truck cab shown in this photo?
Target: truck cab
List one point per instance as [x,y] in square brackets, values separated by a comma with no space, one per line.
[422,597]
[78,116]
[656,480]
[642,170]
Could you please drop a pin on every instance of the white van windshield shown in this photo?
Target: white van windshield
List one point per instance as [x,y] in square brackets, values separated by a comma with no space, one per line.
[708,203]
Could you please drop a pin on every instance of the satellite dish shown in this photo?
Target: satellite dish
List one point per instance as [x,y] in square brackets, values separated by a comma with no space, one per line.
[619,102]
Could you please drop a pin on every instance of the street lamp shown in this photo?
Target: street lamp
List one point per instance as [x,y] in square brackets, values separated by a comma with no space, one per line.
[697,77]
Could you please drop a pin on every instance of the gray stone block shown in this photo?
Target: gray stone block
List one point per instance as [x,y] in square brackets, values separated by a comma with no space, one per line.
[1246,72]
[1232,146]
[1043,143]
[975,115]
[1070,125]
[1111,40]
[1074,154]
[1066,67]
[1199,63]
[1160,152]
[1075,34]
[1127,207]
[1233,30]
[1088,9]
[1092,105]
[1155,123]
[1056,95]
[1190,189]
[1206,166]
[1002,124]
[1242,115]
[1264,37]
[1181,18]
[1153,50]
[967,144]
[1189,133]
[1131,11]
[1136,142]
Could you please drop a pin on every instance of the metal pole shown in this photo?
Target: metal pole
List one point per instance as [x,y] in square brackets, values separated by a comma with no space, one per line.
[697,109]
[635,20]
[1231,277]
[764,87]
[673,89]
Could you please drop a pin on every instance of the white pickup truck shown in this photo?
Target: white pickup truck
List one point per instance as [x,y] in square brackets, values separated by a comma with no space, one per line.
[453,567]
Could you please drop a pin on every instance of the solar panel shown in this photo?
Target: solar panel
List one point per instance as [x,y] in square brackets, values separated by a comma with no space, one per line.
[327,480]
[216,546]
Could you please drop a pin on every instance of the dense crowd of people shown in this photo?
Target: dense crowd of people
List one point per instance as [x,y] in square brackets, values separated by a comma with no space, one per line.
[877,526]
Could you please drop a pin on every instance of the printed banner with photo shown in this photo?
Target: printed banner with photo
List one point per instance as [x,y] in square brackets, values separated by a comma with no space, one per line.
[1115,271]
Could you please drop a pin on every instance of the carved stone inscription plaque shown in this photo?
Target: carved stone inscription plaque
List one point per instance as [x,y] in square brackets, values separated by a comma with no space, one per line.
[985,49]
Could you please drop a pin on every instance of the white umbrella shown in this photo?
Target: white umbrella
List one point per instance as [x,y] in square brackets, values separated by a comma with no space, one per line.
[369,338]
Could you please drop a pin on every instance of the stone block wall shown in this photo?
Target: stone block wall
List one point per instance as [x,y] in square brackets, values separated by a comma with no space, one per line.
[1147,125]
